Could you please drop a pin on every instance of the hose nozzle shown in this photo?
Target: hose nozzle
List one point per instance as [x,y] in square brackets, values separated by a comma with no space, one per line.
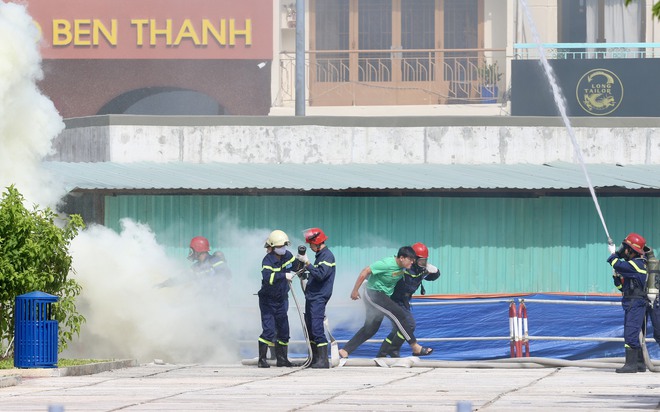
[610,245]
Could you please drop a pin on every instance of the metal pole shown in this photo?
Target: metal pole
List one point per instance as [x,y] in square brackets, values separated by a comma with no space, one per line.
[300,57]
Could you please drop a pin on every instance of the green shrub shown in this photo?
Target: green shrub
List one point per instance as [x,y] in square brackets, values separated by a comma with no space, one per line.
[34,255]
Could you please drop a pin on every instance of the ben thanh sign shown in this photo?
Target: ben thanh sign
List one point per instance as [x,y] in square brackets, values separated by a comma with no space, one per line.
[154,29]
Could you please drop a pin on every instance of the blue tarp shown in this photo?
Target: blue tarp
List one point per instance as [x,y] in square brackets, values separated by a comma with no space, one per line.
[489,317]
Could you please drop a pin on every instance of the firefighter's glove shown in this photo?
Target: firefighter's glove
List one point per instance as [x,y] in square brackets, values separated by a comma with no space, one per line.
[431,269]
[290,275]
[612,248]
[303,259]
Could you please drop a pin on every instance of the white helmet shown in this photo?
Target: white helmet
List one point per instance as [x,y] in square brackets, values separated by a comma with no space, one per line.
[277,238]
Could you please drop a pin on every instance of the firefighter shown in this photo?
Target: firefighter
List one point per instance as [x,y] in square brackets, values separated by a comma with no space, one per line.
[629,265]
[403,291]
[207,264]
[274,299]
[382,278]
[210,272]
[321,278]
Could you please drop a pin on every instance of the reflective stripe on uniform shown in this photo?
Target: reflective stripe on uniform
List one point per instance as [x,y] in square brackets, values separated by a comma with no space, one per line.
[275,270]
[637,268]
[293,258]
[272,273]
[267,342]
[326,263]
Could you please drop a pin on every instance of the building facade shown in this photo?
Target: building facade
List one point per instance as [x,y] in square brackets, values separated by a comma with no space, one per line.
[363,57]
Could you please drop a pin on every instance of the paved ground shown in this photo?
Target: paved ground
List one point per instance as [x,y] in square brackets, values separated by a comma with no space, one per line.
[153,387]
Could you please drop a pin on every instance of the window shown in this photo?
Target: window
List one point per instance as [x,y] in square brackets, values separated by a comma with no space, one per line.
[332,27]
[390,51]
[601,21]
[375,33]
[418,32]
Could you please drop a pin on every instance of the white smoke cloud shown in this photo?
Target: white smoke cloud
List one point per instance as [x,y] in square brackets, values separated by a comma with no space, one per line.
[28,119]
[130,314]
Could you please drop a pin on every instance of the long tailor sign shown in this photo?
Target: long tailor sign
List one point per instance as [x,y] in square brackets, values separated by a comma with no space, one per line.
[154,29]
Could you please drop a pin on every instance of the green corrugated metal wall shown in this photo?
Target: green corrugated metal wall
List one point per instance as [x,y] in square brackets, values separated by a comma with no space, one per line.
[481,245]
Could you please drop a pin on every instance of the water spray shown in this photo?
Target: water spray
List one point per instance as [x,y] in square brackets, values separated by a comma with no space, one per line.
[561,105]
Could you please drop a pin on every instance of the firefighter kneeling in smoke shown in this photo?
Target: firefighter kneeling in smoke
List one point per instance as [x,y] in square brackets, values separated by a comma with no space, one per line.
[629,264]
[206,264]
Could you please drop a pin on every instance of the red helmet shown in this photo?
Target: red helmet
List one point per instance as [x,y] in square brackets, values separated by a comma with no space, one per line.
[421,250]
[315,236]
[636,242]
[200,244]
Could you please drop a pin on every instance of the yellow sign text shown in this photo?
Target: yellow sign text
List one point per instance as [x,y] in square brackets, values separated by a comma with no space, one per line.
[83,32]
[152,32]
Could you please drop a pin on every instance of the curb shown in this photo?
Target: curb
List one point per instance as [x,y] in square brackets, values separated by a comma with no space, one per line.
[7,381]
[93,368]
[13,377]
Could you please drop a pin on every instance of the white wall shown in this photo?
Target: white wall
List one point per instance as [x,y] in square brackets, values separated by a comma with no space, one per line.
[378,142]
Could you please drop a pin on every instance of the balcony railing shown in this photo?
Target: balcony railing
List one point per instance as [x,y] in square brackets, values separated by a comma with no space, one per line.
[393,77]
[587,50]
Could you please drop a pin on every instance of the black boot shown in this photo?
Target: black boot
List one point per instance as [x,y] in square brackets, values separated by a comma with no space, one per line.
[641,365]
[631,362]
[322,360]
[281,353]
[263,350]
[395,345]
[315,354]
[394,351]
[385,348]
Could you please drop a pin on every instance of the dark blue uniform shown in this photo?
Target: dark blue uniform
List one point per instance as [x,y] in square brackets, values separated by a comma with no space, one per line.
[210,275]
[213,274]
[632,283]
[215,264]
[402,294]
[317,294]
[653,309]
[274,298]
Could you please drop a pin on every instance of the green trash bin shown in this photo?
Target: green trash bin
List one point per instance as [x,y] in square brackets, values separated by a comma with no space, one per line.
[35,331]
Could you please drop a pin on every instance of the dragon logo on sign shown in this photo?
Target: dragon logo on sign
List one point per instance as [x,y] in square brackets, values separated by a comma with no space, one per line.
[599,92]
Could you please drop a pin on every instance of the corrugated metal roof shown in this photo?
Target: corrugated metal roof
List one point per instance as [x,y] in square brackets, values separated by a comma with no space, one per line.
[308,177]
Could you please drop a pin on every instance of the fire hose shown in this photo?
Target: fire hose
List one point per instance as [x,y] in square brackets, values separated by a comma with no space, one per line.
[308,361]
[299,272]
[505,363]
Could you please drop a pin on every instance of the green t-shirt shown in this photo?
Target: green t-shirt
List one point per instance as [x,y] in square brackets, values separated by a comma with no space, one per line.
[384,275]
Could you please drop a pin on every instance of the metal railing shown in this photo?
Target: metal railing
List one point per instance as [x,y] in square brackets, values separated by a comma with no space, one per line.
[587,50]
[420,76]
[427,76]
